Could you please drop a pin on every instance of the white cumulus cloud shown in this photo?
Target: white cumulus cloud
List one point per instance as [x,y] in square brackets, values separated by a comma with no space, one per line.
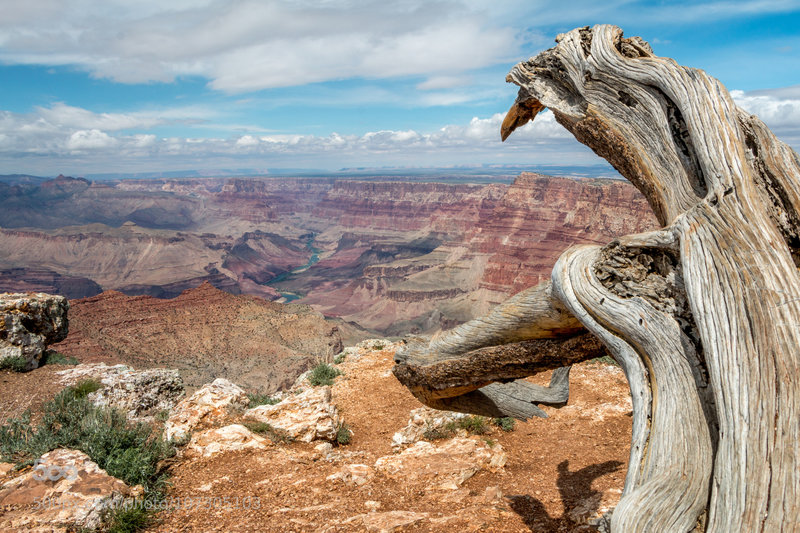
[90,140]
[98,144]
[246,45]
[776,111]
[66,116]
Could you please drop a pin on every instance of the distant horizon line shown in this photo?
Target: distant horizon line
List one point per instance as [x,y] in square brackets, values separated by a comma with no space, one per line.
[486,170]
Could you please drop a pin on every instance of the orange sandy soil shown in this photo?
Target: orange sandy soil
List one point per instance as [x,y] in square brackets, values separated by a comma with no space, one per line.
[22,391]
[559,470]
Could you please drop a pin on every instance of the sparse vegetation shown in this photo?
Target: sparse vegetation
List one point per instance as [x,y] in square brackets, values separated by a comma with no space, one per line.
[52,357]
[323,374]
[130,452]
[84,388]
[17,364]
[274,434]
[339,359]
[261,399]
[474,425]
[343,434]
[128,519]
[162,415]
[378,346]
[506,423]
[606,360]
[434,433]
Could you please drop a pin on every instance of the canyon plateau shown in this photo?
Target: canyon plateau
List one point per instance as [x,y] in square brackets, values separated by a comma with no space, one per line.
[390,257]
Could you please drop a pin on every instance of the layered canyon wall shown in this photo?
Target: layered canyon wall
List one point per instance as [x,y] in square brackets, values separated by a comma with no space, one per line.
[481,247]
[393,257]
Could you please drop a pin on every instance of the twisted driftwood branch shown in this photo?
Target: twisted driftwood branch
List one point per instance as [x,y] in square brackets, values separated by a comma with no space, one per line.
[703,315]
[527,334]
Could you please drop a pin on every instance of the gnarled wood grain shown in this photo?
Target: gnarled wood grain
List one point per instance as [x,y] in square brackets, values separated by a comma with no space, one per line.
[703,316]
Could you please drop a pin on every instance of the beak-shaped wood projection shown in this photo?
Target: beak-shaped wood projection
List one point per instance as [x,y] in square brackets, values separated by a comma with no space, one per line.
[518,115]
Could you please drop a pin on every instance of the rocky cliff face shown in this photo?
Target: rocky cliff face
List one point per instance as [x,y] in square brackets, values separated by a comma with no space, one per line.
[205,333]
[29,322]
[407,207]
[502,240]
[393,256]
[540,216]
[41,280]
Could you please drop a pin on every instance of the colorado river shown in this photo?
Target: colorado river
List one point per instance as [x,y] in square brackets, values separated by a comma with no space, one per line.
[290,296]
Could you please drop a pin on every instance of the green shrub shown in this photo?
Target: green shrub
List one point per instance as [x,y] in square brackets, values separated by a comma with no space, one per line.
[132,518]
[130,452]
[432,433]
[261,399]
[323,374]
[343,434]
[339,359]
[506,423]
[85,387]
[606,360]
[474,425]
[377,346]
[17,364]
[52,357]
[278,436]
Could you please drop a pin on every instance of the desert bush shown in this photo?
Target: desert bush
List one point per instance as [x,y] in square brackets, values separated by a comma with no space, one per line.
[85,387]
[378,346]
[343,434]
[278,436]
[17,364]
[261,399]
[129,519]
[434,433]
[474,425]
[606,360]
[339,359]
[323,374]
[506,423]
[52,357]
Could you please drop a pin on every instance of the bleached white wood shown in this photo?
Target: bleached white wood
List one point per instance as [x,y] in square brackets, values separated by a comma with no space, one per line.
[703,316]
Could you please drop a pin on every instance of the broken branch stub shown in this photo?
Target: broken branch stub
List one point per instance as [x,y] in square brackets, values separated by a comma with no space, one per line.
[703,315]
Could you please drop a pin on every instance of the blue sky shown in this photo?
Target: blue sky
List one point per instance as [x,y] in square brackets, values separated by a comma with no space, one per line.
[102,86]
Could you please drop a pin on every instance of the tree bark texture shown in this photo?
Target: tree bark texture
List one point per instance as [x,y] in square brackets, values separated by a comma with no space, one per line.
[702,315]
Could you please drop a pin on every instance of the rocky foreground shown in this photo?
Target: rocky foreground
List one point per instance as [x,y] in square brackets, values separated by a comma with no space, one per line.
[403,467]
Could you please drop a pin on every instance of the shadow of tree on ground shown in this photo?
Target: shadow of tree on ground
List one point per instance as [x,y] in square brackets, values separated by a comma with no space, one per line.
[576,491]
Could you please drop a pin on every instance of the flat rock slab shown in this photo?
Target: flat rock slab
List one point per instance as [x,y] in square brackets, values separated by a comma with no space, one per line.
[306,416]
[232,438]
[140,393]
[442,466]
[65,489]
[211,403]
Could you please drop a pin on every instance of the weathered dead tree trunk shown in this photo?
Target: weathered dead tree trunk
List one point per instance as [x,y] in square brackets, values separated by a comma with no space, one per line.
[703,315]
